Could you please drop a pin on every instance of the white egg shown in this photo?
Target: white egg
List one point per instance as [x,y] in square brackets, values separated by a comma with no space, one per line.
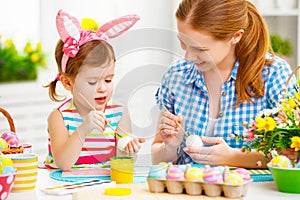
[193,140]
[122,143]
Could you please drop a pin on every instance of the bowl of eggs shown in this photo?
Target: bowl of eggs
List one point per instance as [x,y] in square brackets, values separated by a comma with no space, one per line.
[285,174]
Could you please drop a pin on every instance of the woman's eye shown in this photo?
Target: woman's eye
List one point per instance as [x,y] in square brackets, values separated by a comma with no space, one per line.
[92,82]
[183,46]
[200,49]
[108,80]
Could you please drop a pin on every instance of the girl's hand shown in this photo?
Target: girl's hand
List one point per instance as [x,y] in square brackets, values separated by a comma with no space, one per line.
[170,133]
[134,146]
[219,153]
[94,120]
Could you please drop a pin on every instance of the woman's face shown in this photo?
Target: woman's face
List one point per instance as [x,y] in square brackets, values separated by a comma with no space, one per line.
[95,84]
[205,51]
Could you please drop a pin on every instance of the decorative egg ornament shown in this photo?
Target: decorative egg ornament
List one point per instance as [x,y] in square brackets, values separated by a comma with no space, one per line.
[193,140]
[122,143]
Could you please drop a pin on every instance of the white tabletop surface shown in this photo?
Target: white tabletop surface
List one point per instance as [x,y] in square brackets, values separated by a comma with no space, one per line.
[257,190]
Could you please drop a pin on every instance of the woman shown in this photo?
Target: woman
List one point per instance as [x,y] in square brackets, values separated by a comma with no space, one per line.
[226,78]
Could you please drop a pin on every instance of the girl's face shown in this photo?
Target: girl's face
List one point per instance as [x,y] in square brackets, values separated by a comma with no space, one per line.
[95,84]
[201,48]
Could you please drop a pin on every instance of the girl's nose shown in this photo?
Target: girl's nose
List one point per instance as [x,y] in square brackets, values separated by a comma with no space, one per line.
[101,87]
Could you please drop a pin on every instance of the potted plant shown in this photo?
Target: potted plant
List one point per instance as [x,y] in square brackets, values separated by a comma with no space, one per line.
[18,65]
[278,128]
[281,47]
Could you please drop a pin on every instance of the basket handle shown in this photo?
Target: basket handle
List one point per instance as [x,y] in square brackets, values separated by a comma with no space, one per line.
[293,73]
[9,119]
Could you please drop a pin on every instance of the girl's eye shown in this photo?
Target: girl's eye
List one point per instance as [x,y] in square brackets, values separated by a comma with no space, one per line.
[92,82]
[108,80]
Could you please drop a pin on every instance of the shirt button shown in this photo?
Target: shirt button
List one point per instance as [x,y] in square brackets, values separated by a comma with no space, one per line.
[220,114]
[224,93]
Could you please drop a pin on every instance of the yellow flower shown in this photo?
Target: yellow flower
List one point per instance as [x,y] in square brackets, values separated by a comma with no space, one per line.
[270,124]
[89,24]
[295,143]
[267,124]
[260,123]
[297,95]
[34,57]
[9,42]
[288,105]
[39,47]
[43,63]
[28,48]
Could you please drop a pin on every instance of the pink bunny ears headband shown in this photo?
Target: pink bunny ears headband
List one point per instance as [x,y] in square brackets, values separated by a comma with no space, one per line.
[74,36]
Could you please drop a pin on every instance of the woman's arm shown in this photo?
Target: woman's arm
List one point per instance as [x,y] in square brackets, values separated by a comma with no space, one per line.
[159,150]
[219,153]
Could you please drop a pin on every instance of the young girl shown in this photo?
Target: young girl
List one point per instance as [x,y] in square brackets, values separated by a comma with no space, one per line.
[81,130]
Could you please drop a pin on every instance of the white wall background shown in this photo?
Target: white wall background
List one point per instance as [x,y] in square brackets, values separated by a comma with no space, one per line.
[34,20]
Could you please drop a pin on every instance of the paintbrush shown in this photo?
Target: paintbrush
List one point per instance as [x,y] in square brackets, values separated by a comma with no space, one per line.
[110,126]
[177,123]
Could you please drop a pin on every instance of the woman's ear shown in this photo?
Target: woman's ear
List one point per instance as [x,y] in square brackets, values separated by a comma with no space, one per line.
[67,82]
[237,36]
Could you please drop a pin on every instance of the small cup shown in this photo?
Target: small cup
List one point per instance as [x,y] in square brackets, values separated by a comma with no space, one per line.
[27,148]
[122,169]
[26,166]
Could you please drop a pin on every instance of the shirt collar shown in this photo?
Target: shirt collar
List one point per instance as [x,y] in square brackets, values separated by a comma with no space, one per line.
[191,74]
[234,71]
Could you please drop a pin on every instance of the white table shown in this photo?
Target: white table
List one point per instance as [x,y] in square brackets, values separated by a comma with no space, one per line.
[257,190]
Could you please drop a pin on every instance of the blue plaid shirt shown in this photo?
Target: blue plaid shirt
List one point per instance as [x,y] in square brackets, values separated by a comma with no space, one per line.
[183,91]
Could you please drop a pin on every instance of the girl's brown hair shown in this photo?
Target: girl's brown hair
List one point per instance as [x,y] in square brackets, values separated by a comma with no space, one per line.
[222,18]
[94,53]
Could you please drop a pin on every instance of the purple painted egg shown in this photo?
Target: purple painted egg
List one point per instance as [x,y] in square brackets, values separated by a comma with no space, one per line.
[212,175]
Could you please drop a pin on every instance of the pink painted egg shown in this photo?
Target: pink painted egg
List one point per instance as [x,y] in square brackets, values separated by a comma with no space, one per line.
[244,173]
[11,138]
[175,173]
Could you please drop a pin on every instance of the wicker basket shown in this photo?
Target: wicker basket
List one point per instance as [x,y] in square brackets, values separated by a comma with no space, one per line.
[11,150]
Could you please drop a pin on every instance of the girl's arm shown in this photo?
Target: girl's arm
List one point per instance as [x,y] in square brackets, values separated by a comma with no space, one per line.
[65,149]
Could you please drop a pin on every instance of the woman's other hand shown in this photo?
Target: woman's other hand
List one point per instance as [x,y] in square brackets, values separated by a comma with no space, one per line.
[217,153]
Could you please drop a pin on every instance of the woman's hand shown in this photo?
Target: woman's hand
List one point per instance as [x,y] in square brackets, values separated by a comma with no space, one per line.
[219,153]
[170,132]
[93,120]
